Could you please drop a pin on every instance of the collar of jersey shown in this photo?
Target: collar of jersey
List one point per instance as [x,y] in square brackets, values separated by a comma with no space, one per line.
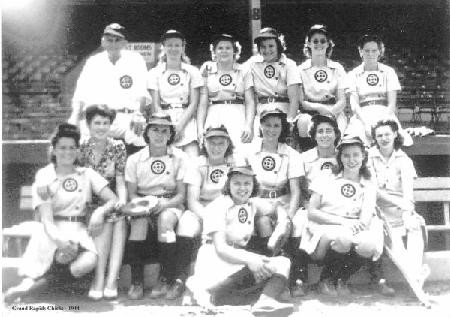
[144,154]
[310,155]
[50,172]
[359,70]
[256,146]
[375,152]
[364,182]
[281,61]
[213,67]
[203,160]
[162,67]
[307,64]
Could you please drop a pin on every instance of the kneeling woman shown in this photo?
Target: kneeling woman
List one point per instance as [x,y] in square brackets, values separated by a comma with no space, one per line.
[342,230]
[225,259]
[157,170]
[63,239]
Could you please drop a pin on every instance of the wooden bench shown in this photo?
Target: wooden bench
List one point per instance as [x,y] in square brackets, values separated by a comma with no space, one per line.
[435,189]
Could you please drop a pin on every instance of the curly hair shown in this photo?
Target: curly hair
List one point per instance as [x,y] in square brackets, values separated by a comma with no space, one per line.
[333,123]
[100,110]
[322,29]
[398,141]
[364,169]
[64,130]
[226,187]
[281,44]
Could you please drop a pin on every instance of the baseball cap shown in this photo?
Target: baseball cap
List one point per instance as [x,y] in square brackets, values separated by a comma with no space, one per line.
[266,33]
[217,131]
[318,118]
[115,29]
[245,170]
[317,28]
[172,34]
[223,37]
[160,119]
[350,140]
[274,112]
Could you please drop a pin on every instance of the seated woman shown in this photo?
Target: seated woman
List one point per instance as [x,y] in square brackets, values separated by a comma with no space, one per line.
[395,173]
[322,158]
[224,260]
[278,169]
[107,157]
[342,230]
[205,179]
[156,170]
[64,240]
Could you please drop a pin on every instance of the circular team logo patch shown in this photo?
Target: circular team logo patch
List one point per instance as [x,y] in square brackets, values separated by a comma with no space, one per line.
[372,79]
[158,167]
[268,163]
[348,190]
[326,166]
[242,215]
[126,82]
[216,175]
[269,71]
[225,80]
[70,185]
[173,79]
[321,76]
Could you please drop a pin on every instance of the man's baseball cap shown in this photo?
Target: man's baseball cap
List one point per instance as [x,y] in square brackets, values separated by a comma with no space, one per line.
[160,119]
[245,170]
[350,140]
[272,112]
[266,33]
[217,131]
[172,34]
[115,29]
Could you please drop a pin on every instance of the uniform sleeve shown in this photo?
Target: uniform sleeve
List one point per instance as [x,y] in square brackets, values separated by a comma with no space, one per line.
[295,168]
[319,184]
[183,161]
[196,78]
[141,68]
[407,168]
[97,181]
[131,170]
[152,79]
[83,82]
[41,179]
[292,76]
[248,77]
[392,80]
[214,220]
[120,157]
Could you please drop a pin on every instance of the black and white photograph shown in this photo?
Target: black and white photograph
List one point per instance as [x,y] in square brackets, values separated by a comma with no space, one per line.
[245,158]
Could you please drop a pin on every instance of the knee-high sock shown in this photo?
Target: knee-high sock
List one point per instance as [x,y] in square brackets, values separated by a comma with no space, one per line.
[275,286]
[135,249]
[168,259]
[184,250]
[331,266]
[350,264]
[375,270]
[299,260]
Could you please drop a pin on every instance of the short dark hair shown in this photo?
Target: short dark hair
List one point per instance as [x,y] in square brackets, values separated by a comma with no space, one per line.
[172,134]
[284,126]
[398,141]
[366,38]
[226,187]
[364,169]
[65,130]
[100,110]
[333,123]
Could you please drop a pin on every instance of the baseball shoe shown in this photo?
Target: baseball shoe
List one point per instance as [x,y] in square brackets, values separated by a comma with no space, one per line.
[298,290]
[342,288]
[382,288]
[27,286]
[175,290]
[327,288]
[160,289]
[266,304]
[136,291]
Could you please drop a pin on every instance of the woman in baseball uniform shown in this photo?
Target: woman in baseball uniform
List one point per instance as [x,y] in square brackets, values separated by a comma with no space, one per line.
[107,157]
[157,171]
[341,230]
[175,89]
[226,99]
[278,169]
[63,242]
[229,225]
[322,158]
[205,179]
[395,173]
[323,83]
[274,77]
[373,88]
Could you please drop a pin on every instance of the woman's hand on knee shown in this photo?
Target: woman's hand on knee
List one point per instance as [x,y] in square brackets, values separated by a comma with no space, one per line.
[259,265]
